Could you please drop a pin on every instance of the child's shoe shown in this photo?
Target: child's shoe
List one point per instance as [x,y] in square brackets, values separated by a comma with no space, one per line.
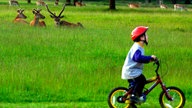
[135,99]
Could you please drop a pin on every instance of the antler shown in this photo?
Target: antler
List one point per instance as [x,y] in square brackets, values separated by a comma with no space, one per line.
[62,10]
[20,10]
[37,10]
[49,10]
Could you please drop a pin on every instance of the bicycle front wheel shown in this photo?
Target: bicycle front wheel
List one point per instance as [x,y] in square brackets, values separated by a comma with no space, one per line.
[117,98]
[178,98]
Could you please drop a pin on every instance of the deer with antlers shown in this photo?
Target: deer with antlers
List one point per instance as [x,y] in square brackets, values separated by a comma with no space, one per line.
[20,17]
[13,3]
[57,19]
[36,21]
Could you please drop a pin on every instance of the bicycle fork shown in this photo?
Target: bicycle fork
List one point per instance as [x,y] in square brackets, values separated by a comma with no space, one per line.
[166,91]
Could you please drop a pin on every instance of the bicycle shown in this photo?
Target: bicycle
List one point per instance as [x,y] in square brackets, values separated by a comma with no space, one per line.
[170,97]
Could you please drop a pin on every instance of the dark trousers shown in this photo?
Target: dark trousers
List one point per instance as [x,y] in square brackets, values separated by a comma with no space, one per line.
[138,83]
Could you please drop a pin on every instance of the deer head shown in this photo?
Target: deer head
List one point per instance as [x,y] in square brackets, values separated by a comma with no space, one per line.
[20,17]
[36,21]
[20,14]
[37,14]
[56,18]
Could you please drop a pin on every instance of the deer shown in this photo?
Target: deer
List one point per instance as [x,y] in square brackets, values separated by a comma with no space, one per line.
[162,6]
[179,7]
[79,4]
[20,17]
[57,19]
[36,21]
[13,3]
[40,3]
[133,5]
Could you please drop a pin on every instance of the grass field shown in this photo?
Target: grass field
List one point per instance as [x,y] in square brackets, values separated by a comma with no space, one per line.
[77,68]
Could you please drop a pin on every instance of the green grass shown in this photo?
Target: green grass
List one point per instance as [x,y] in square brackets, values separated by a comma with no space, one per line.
[63,67]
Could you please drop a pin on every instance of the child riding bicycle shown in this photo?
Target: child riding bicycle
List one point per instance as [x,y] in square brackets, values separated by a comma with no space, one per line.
[133,65]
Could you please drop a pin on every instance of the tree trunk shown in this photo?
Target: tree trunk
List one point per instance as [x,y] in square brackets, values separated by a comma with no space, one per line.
[147,1]
[187,1]
[174,1]
[68,2]
[28,1]
[56,2]
[112,4]
[74,2]
[159,2]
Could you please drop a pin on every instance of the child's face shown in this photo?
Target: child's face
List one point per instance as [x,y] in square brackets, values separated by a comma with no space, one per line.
[144,38]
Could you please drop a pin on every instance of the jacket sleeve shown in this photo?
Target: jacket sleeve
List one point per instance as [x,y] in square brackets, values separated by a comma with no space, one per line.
[138,57]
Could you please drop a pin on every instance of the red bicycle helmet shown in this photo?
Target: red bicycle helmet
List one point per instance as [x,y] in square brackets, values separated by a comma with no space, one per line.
[138,31]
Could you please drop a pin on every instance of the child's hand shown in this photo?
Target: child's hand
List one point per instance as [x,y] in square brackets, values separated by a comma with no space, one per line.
[153,57]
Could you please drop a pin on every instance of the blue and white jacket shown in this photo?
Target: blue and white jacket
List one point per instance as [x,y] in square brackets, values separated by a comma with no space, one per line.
[133,65]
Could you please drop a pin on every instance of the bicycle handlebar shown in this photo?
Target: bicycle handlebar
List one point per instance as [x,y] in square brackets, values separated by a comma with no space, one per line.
[156,61]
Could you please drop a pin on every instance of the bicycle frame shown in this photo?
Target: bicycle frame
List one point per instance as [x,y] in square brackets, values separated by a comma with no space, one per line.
[157,80]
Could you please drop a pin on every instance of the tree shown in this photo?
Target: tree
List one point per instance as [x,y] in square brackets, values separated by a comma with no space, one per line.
[148,1]
[173,1]
[187,1]
[56,2]
[28,1]
[112,4]
[68,2]
[75,2]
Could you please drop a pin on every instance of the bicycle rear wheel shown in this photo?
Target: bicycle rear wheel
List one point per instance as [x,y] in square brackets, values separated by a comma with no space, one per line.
[177,96]
[116,98]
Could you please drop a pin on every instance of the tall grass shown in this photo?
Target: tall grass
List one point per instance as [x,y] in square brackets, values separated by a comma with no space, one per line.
[82,65]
